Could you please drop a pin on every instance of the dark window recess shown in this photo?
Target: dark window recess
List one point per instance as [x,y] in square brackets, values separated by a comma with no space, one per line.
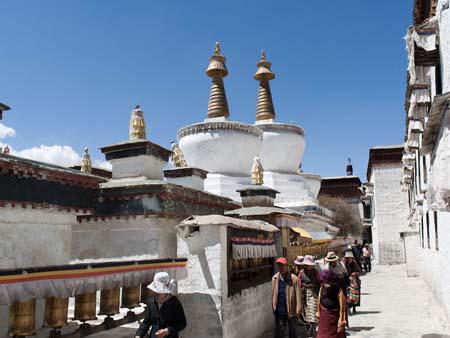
[436,233]
[419,175]
[424,162]
[366,209]
[438,77]
[428,230]
[246,273]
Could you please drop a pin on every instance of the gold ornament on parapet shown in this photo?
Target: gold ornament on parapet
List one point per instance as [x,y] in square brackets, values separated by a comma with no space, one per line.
[257,172]
[178,156]
[137,125]
[86,165]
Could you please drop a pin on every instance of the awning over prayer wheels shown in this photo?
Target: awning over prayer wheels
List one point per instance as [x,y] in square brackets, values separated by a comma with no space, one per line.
[65,281]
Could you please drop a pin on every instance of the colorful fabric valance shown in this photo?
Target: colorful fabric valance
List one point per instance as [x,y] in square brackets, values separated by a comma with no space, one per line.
[248,247]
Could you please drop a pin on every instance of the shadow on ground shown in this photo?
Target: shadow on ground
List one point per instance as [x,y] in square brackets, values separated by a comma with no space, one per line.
[360,328]
[435,335]
[367,312]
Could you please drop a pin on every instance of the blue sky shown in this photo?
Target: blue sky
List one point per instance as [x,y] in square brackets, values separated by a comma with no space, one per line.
[73,70]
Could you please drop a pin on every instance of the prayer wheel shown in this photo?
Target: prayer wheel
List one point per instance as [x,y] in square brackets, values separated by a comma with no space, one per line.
[22,320]
[146,293]
[55,314]
[110,302]
[85,307]
[131,296]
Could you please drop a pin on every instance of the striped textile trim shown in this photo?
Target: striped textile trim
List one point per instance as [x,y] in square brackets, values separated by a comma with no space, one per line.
[87,272]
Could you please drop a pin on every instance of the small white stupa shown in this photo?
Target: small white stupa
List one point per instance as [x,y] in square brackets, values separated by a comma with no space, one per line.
[223,148]
[282,149]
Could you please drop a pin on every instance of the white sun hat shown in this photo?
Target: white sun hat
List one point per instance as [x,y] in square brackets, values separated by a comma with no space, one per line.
[163,284]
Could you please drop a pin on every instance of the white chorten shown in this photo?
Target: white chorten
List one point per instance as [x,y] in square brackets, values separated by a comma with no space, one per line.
[282,149]
[223,148]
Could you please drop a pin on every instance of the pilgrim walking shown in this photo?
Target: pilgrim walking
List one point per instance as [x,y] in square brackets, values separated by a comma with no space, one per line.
[164,312]
[309,281]
[286,300]
[332,307]
[354,285]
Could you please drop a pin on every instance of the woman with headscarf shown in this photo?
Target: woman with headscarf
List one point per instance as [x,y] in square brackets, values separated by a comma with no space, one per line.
[164,312]
[309,281]
[332,307]
[354,283]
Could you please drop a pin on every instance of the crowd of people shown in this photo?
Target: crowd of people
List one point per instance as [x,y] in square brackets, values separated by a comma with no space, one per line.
[319,297]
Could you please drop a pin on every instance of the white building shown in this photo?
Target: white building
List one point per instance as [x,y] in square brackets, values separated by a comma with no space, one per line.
[389,203]
[426,162]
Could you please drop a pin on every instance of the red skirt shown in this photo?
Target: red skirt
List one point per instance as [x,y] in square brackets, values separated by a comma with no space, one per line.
[328,324]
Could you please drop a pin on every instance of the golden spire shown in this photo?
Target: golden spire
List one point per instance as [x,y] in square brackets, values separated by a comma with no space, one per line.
[264,104]
[217,105]
[86,165]
[137,125]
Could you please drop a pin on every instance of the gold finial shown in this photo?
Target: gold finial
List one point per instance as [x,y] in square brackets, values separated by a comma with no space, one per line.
[257,172]
[264,105]
[178,156]
[137,125]
[86,165]
[217,49]
[217,105]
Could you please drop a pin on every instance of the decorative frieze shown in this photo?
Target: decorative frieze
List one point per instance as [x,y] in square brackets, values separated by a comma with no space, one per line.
[207,127]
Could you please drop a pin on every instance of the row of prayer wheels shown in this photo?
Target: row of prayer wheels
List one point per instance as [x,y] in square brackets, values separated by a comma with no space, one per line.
[22,315]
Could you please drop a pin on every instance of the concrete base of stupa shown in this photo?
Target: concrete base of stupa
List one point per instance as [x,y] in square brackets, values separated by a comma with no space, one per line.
[226,186]
[296,190]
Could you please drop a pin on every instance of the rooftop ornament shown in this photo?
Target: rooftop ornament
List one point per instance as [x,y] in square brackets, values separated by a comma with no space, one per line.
[217,105]
[264,104]
[86,165]
[137,125]
[257,172]
[178,156]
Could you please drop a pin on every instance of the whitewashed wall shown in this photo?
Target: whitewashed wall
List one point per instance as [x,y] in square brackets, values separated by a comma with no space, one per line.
[152,236]
[391,214]
[204,294]
[444,42]
[34,237]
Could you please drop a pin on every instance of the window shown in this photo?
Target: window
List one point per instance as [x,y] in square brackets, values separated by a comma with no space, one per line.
[436,238]
[424,161]
[421,232]
[419,176]
[428,230]
[438,79]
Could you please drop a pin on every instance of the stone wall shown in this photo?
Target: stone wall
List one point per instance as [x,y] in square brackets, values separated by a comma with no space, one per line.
[435,268]
[249,313]
[34,237]
[391,214]
[151,236]
[444,45]
[204,293]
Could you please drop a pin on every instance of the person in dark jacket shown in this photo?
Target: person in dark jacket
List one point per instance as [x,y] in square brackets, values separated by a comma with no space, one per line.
[164,312]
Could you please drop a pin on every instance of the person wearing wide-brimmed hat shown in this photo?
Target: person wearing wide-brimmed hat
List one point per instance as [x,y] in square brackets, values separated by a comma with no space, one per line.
[338,269]
[286,299]
[164,312]
[310,282]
